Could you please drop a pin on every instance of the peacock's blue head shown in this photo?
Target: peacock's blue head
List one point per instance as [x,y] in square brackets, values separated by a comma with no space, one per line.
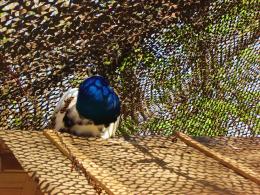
[98,101]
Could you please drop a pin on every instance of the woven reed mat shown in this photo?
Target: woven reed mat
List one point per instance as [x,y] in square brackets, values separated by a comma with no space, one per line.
[148,165]
[45,163]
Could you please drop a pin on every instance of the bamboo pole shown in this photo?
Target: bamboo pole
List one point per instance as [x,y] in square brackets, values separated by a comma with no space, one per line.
[230,163]
[53,138]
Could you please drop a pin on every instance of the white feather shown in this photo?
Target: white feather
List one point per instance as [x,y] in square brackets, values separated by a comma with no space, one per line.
[110,130]
[58,115]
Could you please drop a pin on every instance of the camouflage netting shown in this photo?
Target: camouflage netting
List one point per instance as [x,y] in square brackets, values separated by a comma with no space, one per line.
[188,66]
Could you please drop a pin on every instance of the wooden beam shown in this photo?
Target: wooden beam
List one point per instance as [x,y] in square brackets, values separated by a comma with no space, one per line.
[89,168]
[230,163]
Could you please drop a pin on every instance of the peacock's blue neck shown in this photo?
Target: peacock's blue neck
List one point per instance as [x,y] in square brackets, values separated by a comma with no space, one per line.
[98,101]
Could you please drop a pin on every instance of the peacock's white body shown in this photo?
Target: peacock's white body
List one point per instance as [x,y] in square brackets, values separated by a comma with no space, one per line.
[80,126]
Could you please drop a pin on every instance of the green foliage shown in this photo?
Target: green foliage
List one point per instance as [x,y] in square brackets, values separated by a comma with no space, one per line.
[204,87]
